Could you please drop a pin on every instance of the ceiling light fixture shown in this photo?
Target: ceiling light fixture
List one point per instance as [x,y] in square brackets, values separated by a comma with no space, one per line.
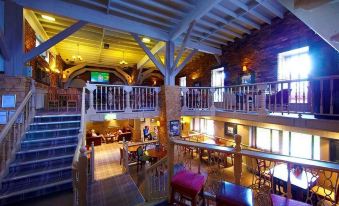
[146,40]
[123,62]
[77,57]
[49,18]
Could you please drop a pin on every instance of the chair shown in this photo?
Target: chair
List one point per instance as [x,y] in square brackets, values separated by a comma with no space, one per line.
[72,99]
[262,173]
[189,186]
[326,194]
[141,157]
[280,98]
[53,99]
[233,195]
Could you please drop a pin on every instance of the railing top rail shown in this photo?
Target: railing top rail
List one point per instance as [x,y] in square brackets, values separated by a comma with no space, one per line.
[143,143]
[15,116]
[262,155]
[122,85]
[155,165]
[272,82]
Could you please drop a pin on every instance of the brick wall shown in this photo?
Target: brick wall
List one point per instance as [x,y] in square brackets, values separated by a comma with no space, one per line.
[198,71]
[258,51]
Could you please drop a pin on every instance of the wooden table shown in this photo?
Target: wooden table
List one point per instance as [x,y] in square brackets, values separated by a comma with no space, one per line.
[157,153]
[133,148]
[300,183]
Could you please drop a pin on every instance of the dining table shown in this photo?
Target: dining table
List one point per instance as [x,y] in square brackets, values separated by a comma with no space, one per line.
[157,153]
[300,181]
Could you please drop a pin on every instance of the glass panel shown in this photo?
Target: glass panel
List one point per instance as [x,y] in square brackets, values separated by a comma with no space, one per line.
[275,141]
[298,150]
[263,138]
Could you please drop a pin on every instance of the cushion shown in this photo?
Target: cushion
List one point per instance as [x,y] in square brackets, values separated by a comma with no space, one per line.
[233,195]
[188,182]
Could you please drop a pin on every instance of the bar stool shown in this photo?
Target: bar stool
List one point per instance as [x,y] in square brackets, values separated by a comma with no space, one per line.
[189,185]
[230,194]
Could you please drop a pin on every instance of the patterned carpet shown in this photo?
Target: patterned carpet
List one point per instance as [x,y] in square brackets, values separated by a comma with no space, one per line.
[110,186]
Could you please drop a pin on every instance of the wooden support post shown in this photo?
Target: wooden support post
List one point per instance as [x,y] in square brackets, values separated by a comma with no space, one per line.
[169,78]
[237,159]
[128,90]
[262,92]
[83,177]
[14,39]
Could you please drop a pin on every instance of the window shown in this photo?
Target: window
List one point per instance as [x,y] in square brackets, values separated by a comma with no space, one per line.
[196,125]
[295,64]
[202,126]
[45,54]
[210,127]
[182,81]
[269,140]
[217,80]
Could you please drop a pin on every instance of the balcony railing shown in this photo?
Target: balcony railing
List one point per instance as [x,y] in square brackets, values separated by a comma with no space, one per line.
[313,182]
[317,96]
[120,98]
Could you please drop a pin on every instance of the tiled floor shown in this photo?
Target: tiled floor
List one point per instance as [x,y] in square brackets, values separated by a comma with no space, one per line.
[110,186]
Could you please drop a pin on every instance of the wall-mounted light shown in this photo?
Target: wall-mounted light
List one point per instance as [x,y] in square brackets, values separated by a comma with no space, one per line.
[110,116]
[49,18]
[244,68]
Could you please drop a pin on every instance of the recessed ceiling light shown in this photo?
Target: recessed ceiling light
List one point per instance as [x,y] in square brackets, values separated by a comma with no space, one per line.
[49,18]
[146,40]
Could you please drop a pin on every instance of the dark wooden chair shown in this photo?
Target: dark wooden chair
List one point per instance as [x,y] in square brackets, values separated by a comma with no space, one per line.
[230,194]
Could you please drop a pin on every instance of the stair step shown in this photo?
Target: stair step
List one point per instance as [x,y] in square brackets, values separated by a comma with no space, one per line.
[34,177]
[56,118]
[31,191]
[44,162]
[45,152]
[54,125]
[48,142]
[53,133]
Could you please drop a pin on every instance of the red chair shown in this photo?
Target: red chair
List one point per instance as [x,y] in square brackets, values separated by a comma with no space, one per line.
[189,186]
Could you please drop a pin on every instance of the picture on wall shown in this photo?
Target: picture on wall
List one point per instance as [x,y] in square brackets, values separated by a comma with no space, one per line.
[3,117]
[8,101]
[174,128]
[230,129]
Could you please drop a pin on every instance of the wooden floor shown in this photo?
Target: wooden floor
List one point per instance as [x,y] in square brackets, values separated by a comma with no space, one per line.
[111,186]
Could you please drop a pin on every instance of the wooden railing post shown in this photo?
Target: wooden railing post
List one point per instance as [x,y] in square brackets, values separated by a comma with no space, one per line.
[262,97]
[125,156]
[184,97]
[91,88]
[170,164]
[83,177]
[128,90]
[157,90]
[237,159]
[211,99]
[92,162]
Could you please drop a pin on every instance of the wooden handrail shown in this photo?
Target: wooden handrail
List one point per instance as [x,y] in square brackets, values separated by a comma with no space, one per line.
[330,166]
[9,125]
[155,165]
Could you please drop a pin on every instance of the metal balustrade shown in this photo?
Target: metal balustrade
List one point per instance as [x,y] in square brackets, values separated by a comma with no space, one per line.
[316,96]
[304,180]
[120,98]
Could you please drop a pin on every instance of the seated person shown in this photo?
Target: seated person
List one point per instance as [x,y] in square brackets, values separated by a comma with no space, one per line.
[94,134]
[147,134]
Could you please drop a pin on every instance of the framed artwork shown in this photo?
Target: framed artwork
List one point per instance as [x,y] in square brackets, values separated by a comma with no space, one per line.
[174,128]
[3,117]
[230,129]
[8,100]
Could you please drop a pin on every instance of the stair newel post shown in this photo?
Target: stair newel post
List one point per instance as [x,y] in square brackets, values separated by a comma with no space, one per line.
[91,88]
[83,177]
[237,159]
[92,162]
[128,90]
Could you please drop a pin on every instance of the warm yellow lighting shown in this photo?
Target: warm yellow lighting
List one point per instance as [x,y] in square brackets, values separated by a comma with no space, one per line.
[244,68]
[146,40]
[49,18]
[110,116]
[158,123]
[64,76]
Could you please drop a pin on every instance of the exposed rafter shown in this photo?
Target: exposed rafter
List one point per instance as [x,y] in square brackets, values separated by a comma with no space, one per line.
[271,8]
[200,10]
[238,17]
[184,42]
[229,23]
[251,10]
[63,8]
[183,64]
[54,40]
[158,64]
[160,45]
